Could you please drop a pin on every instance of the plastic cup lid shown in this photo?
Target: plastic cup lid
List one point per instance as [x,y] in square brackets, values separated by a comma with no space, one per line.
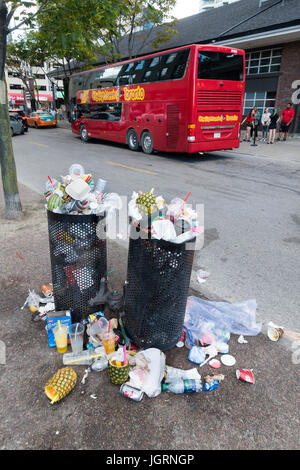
[228,360]
[215,363]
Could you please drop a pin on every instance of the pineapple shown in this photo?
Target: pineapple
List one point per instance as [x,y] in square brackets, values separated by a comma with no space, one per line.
[146,203]
[60,384]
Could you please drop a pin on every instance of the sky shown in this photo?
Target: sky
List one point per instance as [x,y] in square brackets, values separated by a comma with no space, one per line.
[185,8]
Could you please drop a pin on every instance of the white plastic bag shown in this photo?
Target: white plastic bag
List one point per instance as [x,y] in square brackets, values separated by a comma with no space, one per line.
[148,378]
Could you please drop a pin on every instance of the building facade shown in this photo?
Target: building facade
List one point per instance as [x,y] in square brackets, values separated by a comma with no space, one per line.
[45,87]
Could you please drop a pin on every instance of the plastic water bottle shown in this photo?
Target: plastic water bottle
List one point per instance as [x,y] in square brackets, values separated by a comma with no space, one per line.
[184,386]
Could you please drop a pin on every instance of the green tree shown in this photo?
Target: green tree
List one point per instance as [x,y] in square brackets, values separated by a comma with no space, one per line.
[8,10]
[66,30]
[140,24]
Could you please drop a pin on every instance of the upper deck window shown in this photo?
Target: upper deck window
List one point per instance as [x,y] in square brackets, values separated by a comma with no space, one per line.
[220,66]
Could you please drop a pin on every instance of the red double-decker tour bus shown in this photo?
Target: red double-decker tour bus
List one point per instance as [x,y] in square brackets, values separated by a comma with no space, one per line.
[188,99]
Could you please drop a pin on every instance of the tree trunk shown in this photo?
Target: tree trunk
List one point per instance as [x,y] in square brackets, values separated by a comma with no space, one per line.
[13,208]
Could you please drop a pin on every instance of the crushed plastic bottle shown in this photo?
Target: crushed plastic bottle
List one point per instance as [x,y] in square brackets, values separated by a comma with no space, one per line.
[184,386]
[173,374]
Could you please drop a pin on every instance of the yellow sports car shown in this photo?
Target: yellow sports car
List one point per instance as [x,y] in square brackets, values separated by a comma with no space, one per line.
[41,119]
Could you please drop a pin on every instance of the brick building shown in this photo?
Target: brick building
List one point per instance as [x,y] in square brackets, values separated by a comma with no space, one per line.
[269,32]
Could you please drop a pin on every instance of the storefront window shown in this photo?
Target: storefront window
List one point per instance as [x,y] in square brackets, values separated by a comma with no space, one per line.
[261,99]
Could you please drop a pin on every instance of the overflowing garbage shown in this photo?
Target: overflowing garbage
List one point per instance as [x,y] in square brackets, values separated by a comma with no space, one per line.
[77,193]
[175,222]
[100,342]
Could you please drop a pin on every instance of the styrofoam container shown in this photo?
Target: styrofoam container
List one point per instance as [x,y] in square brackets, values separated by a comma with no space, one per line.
[78,189]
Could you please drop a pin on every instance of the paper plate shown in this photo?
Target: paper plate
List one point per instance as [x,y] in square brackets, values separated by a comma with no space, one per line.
[228,360]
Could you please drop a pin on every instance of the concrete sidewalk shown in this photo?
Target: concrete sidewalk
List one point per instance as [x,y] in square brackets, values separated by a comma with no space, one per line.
[236,415]
[288,151]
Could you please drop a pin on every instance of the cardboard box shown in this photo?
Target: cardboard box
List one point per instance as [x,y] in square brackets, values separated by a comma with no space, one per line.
[52,321]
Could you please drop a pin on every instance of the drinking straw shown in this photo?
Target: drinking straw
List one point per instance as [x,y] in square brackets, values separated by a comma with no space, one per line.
[94,356]
[108,327]
[124,351]
[187,196]
[59,325]
[51,182]
[76,331]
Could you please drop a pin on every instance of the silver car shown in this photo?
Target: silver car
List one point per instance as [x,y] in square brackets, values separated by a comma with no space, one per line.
[16,125]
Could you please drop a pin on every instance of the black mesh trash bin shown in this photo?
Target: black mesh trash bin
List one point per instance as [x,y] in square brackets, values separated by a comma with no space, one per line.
[78,260]
[158,277]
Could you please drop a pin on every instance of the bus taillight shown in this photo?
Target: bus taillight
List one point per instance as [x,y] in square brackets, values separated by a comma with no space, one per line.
[191,132]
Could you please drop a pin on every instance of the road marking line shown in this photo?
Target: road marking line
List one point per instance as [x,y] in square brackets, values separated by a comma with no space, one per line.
[132,168]
[36,143]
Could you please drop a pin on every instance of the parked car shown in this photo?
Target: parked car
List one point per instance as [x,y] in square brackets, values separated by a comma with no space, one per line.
[41,119]
[16,125]
[23,117]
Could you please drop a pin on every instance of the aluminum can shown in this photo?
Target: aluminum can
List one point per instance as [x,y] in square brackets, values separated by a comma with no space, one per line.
[131,392]
[245,375]
[46,291]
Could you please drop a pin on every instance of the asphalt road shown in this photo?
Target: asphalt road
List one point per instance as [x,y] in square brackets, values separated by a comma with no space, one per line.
[251,210]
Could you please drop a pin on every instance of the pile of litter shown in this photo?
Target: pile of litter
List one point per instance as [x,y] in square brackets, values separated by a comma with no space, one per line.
[174,222]
[78,194]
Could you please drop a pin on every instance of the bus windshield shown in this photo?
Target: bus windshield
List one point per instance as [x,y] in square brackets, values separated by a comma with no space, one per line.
[214,65]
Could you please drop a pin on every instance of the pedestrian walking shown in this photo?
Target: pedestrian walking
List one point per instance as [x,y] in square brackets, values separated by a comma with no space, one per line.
[249,124]
[274,119]
[286,118]
[60,114]
[265,121]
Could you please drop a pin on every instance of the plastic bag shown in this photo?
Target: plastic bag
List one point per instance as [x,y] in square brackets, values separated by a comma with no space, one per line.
[217,318]
[148,378]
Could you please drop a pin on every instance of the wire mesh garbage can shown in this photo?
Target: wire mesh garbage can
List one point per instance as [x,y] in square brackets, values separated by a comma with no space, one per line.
[158,276]
[78,260]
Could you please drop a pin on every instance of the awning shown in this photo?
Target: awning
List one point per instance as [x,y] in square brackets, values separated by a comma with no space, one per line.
[19,98]
[16,97]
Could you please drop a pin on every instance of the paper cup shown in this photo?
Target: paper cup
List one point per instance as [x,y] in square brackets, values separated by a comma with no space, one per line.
[274,332]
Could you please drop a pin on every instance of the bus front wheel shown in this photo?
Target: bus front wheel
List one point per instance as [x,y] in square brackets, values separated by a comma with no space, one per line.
[83,134]
[147,143]
[132,140]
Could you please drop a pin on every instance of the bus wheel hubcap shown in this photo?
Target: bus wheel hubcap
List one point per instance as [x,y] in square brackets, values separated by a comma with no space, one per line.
[147,142]
[132,140]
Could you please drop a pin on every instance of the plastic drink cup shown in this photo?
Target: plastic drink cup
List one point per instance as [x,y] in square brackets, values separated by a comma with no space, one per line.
[61,338]
[76,332]
[100,185]
[109,343]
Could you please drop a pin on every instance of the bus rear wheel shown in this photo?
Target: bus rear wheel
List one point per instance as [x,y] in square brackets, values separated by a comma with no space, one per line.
[147,142]
[132,140]
[83,134]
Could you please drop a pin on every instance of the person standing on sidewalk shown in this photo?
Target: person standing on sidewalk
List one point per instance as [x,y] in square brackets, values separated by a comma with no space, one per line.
[249,125]
[265,121]
[274,119]
[256,120]
[287,116]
